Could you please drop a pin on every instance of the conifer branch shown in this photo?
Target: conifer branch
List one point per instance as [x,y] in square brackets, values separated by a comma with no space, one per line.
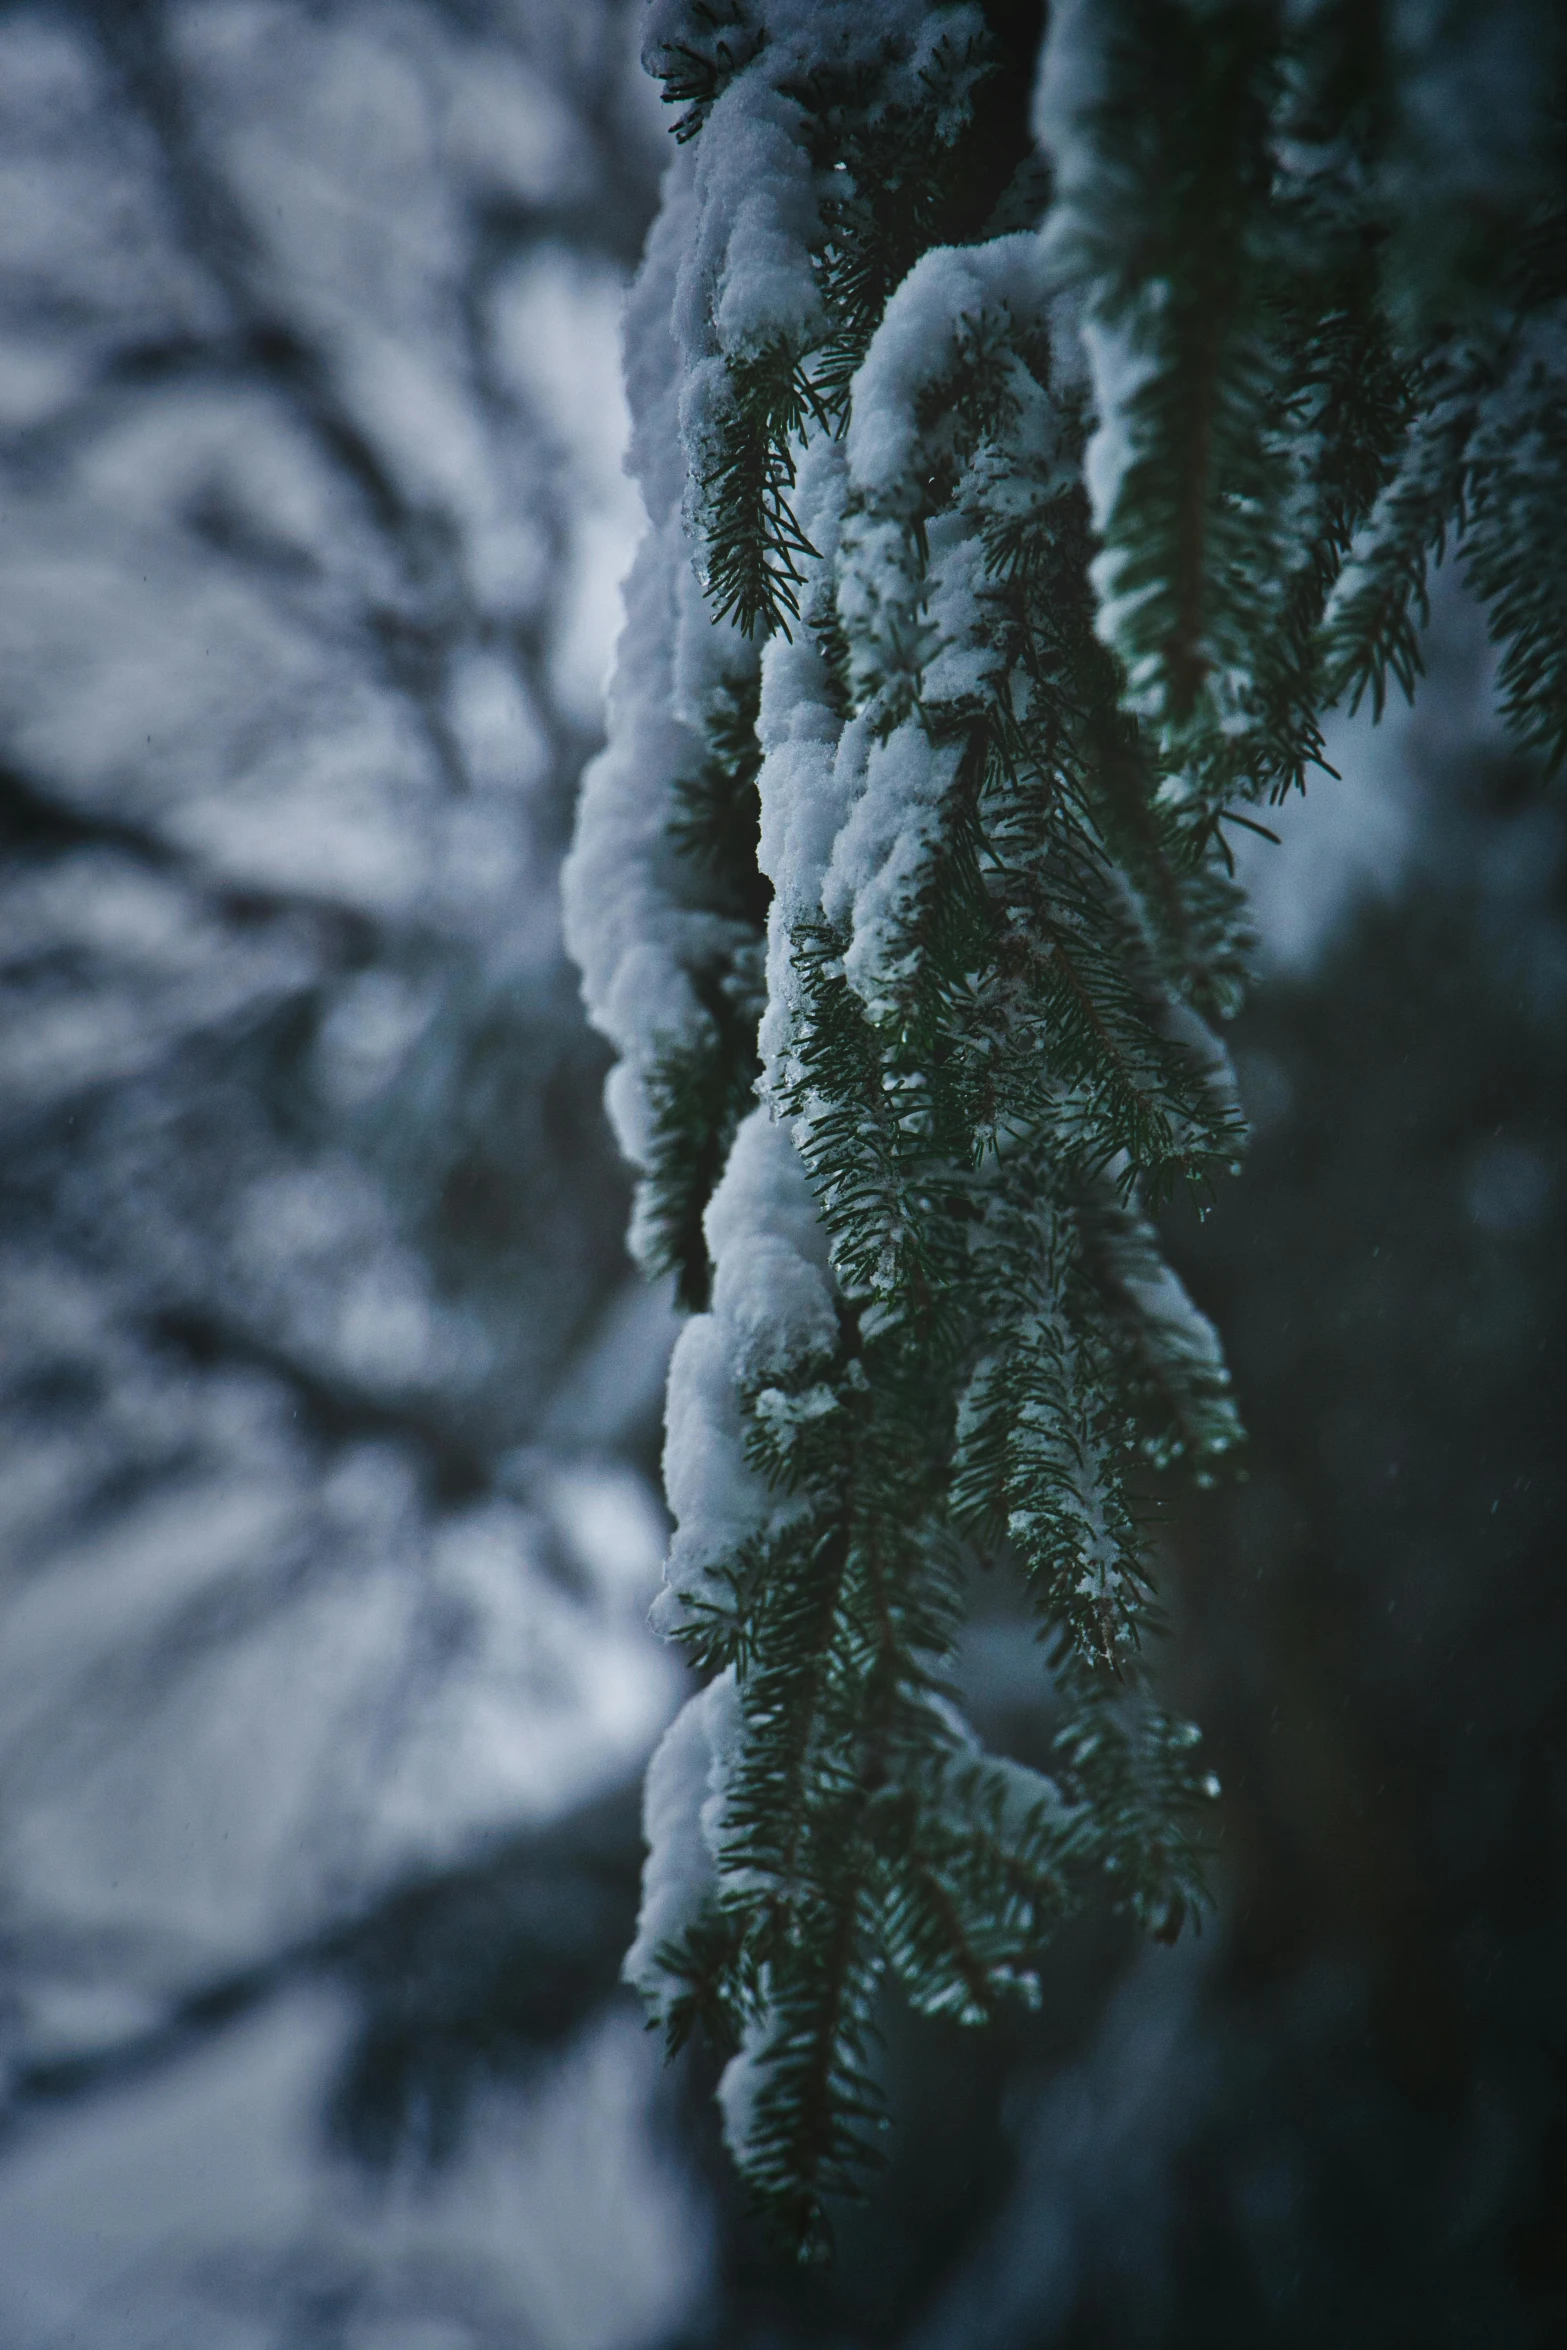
[914,937]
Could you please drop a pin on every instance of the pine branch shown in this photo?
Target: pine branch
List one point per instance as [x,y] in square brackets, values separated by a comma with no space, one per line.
[753,545]
[1034,646]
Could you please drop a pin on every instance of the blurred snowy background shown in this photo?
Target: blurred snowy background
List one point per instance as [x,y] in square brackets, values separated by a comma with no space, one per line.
[328,1404]
[329,1407]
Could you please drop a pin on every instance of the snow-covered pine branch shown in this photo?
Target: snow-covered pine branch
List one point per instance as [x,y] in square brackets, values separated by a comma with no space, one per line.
[992,559]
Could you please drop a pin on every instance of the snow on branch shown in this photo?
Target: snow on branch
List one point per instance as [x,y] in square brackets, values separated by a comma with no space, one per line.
[990,572]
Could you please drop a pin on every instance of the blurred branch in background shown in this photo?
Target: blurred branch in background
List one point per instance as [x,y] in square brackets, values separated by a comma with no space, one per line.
[328,1412]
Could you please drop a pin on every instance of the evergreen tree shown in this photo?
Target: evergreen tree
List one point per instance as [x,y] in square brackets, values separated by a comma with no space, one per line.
[1032,536]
